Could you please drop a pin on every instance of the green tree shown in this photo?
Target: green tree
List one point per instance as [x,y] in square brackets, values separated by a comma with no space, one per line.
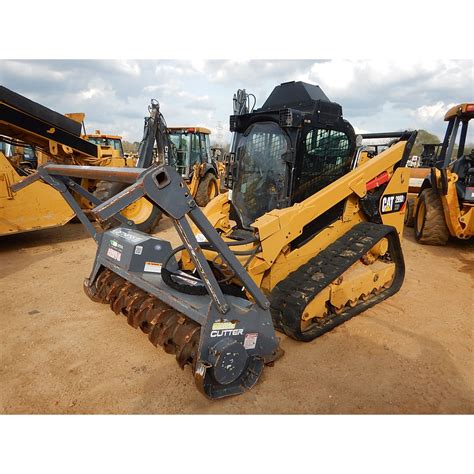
[129,147]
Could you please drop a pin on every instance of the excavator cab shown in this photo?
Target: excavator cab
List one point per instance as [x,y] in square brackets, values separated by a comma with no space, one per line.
[296,144]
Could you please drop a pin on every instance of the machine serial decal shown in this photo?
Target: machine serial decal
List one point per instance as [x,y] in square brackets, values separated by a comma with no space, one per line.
[392,203]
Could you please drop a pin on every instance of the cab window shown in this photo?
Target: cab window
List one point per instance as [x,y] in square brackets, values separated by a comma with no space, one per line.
[195,149]
[326,157]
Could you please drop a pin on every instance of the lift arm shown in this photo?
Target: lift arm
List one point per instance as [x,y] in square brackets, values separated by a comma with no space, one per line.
[163,186]
[155,130]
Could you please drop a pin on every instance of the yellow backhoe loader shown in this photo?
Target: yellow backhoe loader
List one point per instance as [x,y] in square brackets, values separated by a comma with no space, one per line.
[195,163]
[442,190]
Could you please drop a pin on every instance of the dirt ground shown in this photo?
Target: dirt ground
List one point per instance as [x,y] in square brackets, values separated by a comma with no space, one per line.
[62,353]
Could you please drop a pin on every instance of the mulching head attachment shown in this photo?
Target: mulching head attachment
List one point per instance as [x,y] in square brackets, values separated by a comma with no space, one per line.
[226,339]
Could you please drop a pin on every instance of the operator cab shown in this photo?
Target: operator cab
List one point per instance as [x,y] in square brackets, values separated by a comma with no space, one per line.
[455,153]
[21,156]
[107,141]
[430,154]
[296,144]
[193,147]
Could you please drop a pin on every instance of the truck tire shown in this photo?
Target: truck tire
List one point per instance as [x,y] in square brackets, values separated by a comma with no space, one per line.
[410,212]
[208,189]
[143,213]
[430,226]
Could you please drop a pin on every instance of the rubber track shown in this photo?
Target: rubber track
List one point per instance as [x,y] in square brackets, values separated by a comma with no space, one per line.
[290,297]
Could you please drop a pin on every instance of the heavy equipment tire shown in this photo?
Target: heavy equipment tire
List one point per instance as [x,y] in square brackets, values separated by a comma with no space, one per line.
[410,213]
[430,226]
[143,213]
[208,189]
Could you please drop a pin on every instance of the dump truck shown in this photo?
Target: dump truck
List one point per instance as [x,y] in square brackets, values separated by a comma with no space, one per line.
[441,193]
[305,240]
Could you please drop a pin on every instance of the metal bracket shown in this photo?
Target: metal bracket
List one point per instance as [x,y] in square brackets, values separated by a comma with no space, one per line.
[164,187]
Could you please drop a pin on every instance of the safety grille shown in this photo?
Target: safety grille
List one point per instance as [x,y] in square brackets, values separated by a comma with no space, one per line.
[286,118]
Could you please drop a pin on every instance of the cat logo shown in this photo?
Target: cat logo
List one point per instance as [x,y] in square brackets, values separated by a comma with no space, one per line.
[392,203]
[387,203]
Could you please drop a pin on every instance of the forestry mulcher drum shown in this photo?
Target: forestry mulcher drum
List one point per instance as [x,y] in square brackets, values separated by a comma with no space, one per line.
[307,238]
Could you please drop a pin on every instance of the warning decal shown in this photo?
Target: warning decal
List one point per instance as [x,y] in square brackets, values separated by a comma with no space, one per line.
[153,267]
[250,340]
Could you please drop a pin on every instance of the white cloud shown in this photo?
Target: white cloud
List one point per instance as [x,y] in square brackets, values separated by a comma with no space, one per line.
[428,113]
[91,93]
[376,95]
[32,70]
[129,67]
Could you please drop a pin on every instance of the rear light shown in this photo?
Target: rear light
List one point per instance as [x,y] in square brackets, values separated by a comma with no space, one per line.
[470,108]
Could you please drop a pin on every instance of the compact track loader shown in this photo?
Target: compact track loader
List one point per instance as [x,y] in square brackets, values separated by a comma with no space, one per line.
[308,237]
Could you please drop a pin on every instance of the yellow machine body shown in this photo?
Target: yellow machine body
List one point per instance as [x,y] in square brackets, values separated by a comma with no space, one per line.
[442,196]
[274,259]
[202,173]
[37,207]
[459,217]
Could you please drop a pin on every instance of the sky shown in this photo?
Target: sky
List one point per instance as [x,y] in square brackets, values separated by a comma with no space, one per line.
[376,95]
